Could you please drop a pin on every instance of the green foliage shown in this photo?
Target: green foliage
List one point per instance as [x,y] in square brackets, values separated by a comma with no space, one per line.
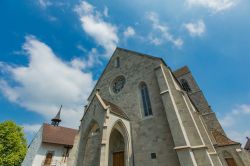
[13,145]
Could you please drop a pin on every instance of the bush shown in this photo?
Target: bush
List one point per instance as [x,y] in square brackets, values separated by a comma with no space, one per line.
[13,145]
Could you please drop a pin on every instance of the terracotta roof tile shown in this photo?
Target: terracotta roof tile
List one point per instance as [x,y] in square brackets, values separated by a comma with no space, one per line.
[115,109]
[58,135]
[222,140]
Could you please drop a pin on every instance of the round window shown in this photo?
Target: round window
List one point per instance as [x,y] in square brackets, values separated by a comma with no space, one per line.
[118,84]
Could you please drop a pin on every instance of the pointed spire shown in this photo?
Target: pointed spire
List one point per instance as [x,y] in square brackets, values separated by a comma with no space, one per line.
[56,120]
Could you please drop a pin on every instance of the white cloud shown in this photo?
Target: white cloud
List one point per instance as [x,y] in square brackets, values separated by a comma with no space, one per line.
[52,18]
[163,31]
[47,82]
[231,118]
[242,109]
[78,63]
[239,136]
[196,28]
[236,123]
[104,33]
[44,3]
[31,128]
[30,131]
[81,48]
[106,11]
[129,32]
[214,5]
[154,40]
[93,58]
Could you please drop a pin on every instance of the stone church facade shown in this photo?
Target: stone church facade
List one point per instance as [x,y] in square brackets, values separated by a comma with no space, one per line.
[140,113]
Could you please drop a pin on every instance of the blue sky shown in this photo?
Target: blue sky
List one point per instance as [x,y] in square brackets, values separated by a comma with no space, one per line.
[52,53]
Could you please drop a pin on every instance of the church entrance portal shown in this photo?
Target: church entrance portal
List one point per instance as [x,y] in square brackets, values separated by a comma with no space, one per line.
[230,162]
[118,159]
[229,158]
[117,150]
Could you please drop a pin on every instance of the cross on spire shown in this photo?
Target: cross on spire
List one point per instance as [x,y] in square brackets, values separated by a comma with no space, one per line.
[56,120]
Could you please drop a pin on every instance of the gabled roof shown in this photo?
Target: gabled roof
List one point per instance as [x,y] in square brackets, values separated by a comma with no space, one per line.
[105,105]
[115,109]
[222,140]
[58,135]
[138,53]
[129,51]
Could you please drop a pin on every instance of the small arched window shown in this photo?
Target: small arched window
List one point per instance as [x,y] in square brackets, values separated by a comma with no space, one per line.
[145,100]
[185,85]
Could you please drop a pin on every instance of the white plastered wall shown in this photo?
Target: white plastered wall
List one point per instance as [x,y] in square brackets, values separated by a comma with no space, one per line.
[37,151]
[57,159]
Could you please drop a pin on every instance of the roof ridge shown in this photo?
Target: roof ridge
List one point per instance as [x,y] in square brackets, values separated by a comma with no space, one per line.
[136,52]
[59,126]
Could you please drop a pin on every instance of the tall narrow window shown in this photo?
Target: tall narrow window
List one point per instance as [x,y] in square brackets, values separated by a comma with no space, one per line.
[145,100]
[185,85]
[117,62]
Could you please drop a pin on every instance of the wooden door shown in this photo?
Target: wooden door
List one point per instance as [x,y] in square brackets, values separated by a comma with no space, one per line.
[118,159]
[48,159]
[230,162]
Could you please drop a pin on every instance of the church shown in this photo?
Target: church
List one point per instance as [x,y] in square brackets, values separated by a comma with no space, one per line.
[141,113]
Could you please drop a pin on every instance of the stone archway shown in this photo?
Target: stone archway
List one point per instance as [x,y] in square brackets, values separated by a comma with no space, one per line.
[92,147]
[118,143]
[229,158]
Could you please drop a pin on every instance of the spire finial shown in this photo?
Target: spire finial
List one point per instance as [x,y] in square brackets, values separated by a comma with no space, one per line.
[56,120]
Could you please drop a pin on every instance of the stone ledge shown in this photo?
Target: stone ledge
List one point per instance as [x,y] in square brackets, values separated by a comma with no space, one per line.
[190,147]
[163,92]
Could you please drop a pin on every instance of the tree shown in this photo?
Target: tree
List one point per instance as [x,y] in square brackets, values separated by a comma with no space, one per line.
[13,145]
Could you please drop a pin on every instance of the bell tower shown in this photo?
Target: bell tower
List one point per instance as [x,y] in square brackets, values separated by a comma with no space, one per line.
[56,120]
[189,84]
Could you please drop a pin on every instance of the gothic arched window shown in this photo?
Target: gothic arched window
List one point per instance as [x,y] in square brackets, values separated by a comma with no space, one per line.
[145,100]
[185,85]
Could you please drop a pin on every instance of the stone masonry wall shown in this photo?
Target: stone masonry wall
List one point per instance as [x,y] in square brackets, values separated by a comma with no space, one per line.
[201,103]
[149,134]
